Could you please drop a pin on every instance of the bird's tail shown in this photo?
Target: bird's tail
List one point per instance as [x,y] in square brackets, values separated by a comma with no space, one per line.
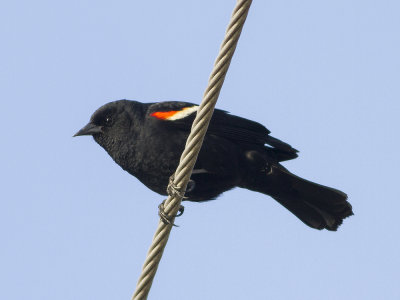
[316,205]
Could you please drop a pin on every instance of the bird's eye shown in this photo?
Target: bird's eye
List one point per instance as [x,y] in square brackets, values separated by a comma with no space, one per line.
[108,120]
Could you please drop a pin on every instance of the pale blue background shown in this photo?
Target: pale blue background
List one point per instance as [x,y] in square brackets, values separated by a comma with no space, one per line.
[321,75]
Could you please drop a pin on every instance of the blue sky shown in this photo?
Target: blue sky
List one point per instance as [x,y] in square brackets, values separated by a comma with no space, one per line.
[321,75]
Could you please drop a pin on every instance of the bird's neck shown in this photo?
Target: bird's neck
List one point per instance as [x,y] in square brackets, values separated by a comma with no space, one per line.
[122,152]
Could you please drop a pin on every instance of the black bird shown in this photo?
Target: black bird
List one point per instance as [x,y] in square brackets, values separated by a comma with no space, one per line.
[147,140]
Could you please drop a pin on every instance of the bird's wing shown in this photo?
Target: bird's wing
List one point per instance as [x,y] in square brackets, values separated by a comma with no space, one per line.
[180,115]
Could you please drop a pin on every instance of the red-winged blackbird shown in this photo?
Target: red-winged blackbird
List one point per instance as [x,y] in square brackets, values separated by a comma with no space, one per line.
[147,140]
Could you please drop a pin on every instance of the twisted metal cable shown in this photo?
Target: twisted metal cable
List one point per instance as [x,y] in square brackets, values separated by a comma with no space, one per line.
[193,146]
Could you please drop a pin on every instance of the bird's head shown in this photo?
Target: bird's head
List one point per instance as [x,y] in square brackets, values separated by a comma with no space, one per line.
[113,125]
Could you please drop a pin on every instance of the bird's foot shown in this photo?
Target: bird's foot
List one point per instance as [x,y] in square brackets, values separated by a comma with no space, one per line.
[174,190]
[165,218]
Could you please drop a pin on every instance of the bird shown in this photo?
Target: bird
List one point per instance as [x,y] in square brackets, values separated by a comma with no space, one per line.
[147,140]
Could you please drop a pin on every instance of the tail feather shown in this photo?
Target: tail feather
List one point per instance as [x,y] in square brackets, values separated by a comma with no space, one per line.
[318,206]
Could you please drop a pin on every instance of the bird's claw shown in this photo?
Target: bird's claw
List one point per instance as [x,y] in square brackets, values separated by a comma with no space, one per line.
[174,190]
[165,218]
[180,211]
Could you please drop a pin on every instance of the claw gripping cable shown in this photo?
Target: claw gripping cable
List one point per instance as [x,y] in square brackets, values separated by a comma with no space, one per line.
[193,145]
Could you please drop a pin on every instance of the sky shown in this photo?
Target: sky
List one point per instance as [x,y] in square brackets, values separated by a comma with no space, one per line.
[321,75]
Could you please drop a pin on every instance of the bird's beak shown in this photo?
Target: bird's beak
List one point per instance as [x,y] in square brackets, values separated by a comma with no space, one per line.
[89,129]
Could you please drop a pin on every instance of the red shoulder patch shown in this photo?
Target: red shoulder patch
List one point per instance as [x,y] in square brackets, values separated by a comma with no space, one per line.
[174,114]
[164,115]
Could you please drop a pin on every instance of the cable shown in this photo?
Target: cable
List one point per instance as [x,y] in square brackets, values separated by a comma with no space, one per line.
[192,148]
